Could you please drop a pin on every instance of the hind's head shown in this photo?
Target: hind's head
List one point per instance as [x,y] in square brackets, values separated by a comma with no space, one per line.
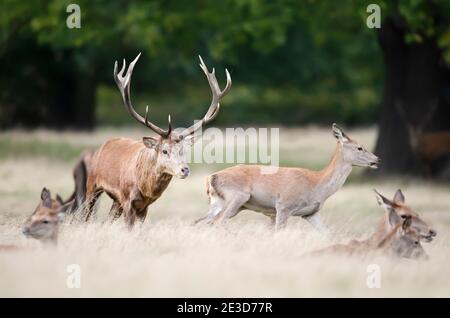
[43,224]
[353,152]
[404,211]
[406,239]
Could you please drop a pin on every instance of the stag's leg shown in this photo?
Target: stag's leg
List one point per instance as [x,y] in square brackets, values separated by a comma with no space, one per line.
[142,215]
[130,216]
[115,212]
[90,203]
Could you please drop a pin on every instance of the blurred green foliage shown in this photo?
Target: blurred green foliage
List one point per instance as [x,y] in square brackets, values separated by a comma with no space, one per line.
[291,61]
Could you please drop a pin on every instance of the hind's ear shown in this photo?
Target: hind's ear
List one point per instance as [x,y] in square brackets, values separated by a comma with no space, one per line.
[59,199]
[383,201]
[394,219]
[339,134]
[66,207]
[399,197]
[46,198]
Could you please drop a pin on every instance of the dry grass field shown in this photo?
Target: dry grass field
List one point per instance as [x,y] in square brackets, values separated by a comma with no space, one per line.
[169,257]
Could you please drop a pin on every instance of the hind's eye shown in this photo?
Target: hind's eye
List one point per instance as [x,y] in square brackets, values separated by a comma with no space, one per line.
[403,216]
[416,242]
[360,148]
[165,152]
[45,222]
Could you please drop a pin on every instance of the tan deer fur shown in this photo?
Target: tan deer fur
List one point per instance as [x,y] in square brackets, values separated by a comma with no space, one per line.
[396,235]
[288,191]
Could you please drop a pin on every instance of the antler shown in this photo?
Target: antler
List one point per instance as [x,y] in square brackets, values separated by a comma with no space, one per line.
[424,122]
[217,96]
[123,83]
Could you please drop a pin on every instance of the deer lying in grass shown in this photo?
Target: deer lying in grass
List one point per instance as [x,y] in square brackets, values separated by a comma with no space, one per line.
[288,191]
[426,146]
[403,211]
[135,173]
[44,223]
[398,235]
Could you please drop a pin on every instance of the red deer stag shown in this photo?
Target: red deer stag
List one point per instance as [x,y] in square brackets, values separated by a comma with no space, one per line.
[426,146]
[135,173]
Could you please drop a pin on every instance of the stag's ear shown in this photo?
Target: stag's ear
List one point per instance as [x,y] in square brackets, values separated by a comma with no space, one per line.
[150,142]
[407,221]
[399,197]
[46,198]
[192,139]
[59,199]
[339,134]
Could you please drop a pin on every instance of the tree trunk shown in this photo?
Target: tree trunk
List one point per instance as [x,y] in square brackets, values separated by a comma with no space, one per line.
[415,77]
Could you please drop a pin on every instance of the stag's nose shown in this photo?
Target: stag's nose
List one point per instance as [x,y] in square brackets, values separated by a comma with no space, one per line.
[185,171]
[433,233]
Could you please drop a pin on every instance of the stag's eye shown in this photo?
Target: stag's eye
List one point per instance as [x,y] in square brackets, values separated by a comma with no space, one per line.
[360,149]
[45,222]
[416,242]
[403,216]
[165,152]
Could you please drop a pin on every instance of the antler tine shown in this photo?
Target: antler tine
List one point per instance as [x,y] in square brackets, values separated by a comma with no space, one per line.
[149,124]
[123,83]
[217,96]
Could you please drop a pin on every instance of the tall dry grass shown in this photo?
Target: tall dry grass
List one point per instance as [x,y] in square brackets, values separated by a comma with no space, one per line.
[168,257]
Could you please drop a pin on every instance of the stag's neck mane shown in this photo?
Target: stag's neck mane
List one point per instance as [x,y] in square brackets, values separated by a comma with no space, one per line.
[152,181]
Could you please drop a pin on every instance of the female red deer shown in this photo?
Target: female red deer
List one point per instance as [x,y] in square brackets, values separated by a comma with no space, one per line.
[134,173]
[44,223]
[288,191]
[398,234]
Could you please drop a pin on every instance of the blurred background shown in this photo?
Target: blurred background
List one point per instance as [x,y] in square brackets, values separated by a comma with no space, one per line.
[293,63]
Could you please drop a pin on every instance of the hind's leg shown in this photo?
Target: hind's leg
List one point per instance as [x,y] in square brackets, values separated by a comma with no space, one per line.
[232,207]
[215,207]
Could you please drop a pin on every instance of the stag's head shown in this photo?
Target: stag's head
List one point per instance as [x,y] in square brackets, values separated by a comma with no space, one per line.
[43,224]
[416,130]
[353,152]
[403,211]
[171,147]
